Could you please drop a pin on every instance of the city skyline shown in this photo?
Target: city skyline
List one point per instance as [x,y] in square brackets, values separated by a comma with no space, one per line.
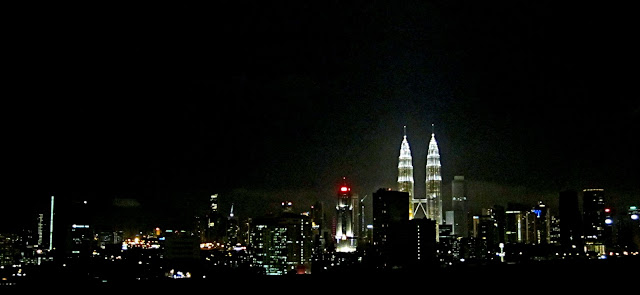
[279,107]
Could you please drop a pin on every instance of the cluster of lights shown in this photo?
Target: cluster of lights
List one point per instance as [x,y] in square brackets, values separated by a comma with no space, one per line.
[18,273]
[178,274]
[218,246]
[138,243]
[634,214]
[624,253]
[211,246]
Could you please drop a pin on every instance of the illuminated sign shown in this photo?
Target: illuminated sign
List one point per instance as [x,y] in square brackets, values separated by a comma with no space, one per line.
[537,212]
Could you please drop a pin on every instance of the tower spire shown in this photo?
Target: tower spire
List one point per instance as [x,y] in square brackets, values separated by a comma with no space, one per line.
[405,174]
[434,182]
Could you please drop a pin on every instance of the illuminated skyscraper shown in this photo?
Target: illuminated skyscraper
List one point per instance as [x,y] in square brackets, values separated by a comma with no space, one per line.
[593,219]
[434,182]
[51,224]
[282,243]
[345,225]
[214,229]
[405,177]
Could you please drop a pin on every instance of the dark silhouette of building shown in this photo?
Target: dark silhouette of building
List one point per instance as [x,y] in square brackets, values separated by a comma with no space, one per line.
[460,207]
[570,221]
[390,227]
[73,239]
[422,242]
[397,241]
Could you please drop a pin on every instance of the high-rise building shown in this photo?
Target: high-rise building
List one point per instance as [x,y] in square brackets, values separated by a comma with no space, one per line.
[41,224]
[542,224]
[391,236]
[570,220]
[434,182]
[458,218]
[519,222]
[321,235]
[422,242]
[346,217]
[282,244]
[554,233]
[405,178]
[233,230]
[484,234]
[71,232]
[593,219]
[628,224]
[215,228]
[51,215]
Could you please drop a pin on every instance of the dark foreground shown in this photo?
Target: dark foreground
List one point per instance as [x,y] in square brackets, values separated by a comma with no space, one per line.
[540,277]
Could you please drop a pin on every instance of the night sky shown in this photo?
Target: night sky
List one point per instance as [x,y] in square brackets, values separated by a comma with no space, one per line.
[155,109]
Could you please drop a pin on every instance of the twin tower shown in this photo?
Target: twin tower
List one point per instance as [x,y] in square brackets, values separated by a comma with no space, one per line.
[429,206]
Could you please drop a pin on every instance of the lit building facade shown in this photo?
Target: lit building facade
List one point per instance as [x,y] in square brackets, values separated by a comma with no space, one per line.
[282,244]
[434,182]
[405,177]
[593,220]
[214,228]
[520,226]
[346,219]
[542,224]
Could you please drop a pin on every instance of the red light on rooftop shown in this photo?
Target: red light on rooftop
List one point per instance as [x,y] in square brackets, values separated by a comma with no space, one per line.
[607,210]
[344,189]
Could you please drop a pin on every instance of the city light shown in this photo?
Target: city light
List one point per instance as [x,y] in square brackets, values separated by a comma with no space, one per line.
[344,189]
[178,274]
